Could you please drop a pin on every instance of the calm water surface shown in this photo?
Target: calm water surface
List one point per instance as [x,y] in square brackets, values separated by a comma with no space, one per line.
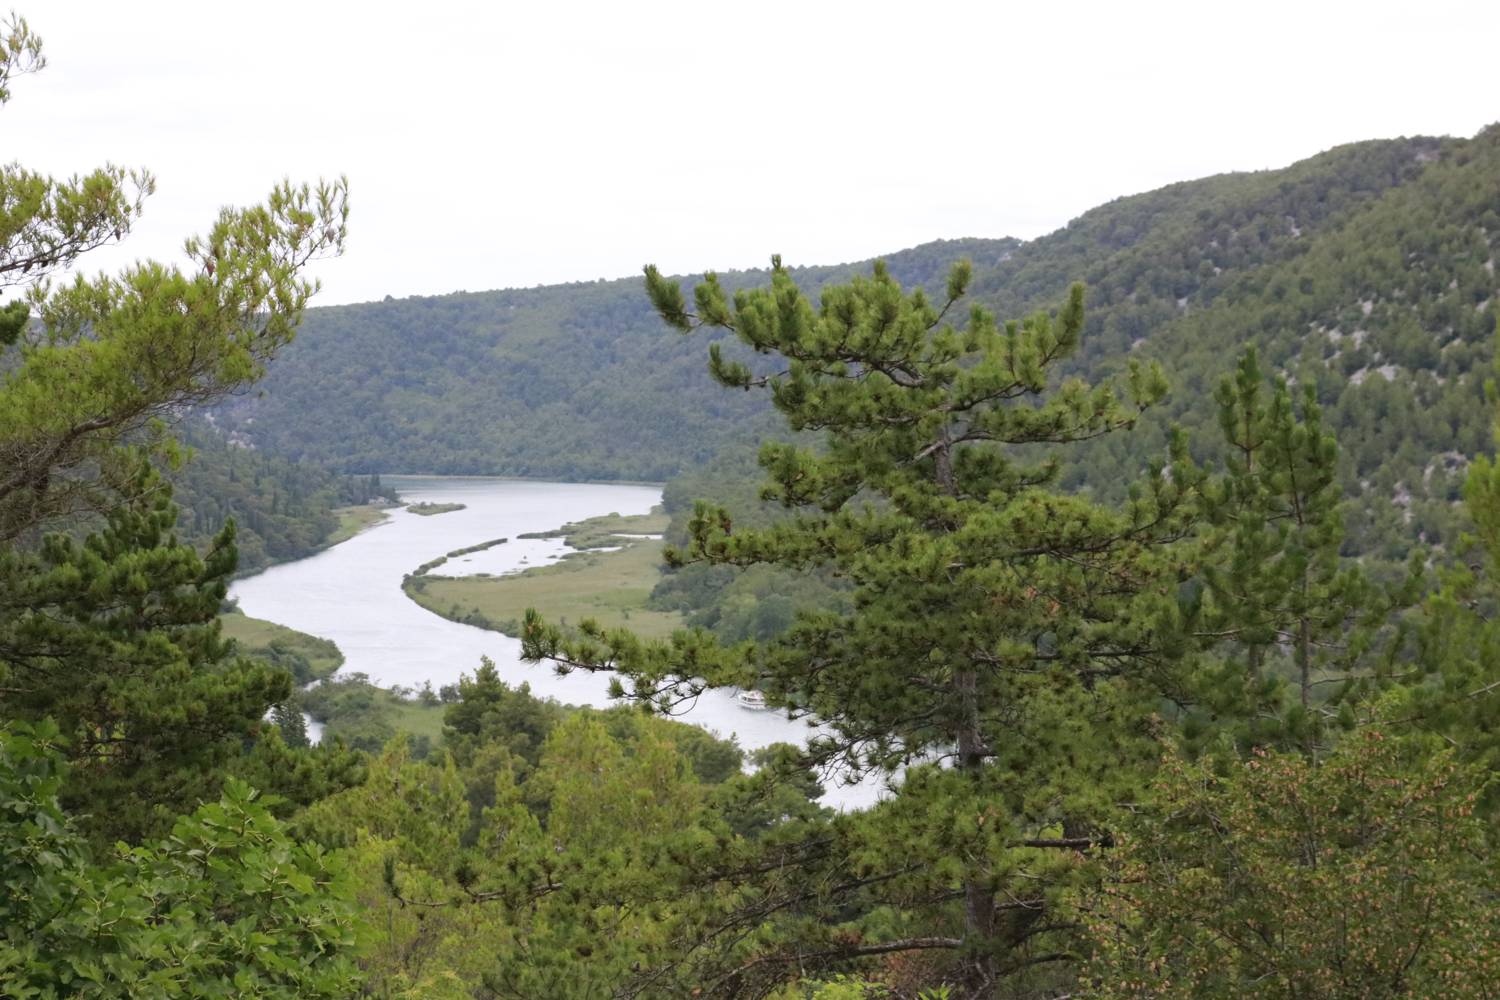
[352,594]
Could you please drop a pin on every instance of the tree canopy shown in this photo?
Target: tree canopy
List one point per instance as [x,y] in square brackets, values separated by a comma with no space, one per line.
[998,624]
[136,862]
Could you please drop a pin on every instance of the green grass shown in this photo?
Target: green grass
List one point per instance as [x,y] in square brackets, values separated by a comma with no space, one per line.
[603,531]
[429,509]
[263,640]
[353,520]
[609,587]
[418,719]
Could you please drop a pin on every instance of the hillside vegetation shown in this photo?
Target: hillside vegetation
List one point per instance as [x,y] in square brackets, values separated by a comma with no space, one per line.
[1367,271]
[282,509]
[573,381]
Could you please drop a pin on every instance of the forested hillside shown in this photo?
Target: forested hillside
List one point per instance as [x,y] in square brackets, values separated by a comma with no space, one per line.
[570,381]
[1366,271]
[1391,316]
[282,509]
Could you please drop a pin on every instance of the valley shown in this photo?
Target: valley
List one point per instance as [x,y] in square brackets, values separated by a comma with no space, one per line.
[1112,612]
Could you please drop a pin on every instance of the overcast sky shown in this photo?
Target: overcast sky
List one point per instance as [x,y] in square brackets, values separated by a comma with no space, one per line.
[508,144]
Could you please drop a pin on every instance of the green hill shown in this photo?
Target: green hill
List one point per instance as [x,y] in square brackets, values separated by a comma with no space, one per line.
[1382,300]
[1391,316]
[1367,270]
[572,381]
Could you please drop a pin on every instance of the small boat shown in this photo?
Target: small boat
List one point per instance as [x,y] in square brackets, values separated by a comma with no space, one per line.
[751,699]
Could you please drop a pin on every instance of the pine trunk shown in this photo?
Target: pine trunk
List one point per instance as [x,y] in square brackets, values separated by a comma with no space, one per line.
[978,957]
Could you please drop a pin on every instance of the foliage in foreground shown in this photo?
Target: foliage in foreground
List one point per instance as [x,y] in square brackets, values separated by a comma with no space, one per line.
[997,623]
[986,606]
[1368,874]
[150,870]
[542,852]
[226,905]
[1040,642]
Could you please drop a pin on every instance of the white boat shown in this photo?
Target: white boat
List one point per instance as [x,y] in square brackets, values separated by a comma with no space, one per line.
[751,699]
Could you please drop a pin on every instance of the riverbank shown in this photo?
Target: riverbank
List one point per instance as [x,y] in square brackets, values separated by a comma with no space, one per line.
[608,577]
[367,717]
[353,520]
[613,563]
[346,706]
[395,477]
[306,657]
[351,594]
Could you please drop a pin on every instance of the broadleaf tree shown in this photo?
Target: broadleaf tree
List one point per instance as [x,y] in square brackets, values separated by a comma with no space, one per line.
[1363,874]
[107,621]
[227,904]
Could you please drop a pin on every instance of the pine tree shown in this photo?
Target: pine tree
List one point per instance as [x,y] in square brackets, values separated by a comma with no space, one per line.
[93,366]
[1457,636]
[1275,572]
[109,628]
[116,639]
[288,718]
[1000,626]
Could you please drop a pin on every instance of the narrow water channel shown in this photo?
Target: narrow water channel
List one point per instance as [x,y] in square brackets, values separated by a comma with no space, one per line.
[352,595]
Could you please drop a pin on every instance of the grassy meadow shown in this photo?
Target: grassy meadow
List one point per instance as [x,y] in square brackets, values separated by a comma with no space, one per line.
[609,587]
[307,656]
[353,520]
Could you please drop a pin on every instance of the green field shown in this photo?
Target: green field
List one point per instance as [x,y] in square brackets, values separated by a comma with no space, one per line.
[307,657]
[609,587]
[367,717]
[353,520]
[605,530]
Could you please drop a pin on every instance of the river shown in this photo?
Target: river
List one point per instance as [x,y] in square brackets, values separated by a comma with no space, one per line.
[352,595]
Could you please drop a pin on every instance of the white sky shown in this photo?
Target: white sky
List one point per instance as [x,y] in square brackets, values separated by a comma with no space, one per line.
[511,144]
